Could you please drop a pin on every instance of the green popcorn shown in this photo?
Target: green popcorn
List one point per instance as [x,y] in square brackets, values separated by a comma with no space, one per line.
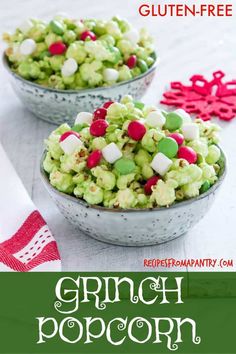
[185,175]
[105,179]
[93,194]
[200,146]
[77,51]
[142,157]
[108,199]
[147,171]
[50,164]
[108,39]
[123,24]
[98,51]
[82,181]
[164,193]
[98,143]
[191,190]
[142,200]
[116,113]
[126,47]
[24,69]
[125,199]
[89,72]
[99,28]
[136,71]
[213,154]
[74,162]
[209,131]
[124,181]
[69,37]
[62,181]
[113,29]
[151,138]
[51,38]
[115,55]
[85,135]
[56,62]
[127,99]
[79,82]
[56,82]
[208,173]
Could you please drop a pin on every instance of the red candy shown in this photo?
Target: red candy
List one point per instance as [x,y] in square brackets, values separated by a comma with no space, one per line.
[66,134]
[88,34]
[98,127]
[57,48]
[136,130]
[94,158]
[177,137]
[100,113]
[150,183]
[108,104]
[131,61]
[188,154]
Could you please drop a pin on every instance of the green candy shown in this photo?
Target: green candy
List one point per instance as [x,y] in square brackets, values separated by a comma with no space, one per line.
[142,65]
[125,166]
[139,105]
[204,188]
[168,147]
[173,121]
[57,27]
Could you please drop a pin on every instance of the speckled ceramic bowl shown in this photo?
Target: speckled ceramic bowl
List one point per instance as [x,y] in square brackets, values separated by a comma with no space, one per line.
[60,106]
[135,227]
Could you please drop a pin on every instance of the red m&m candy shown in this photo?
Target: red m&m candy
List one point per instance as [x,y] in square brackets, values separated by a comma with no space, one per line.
[94,158]
[150,183]
[136,130]
[57,48]
[66,134]
[98,127]
[179,138]
[188,154]
[100,113]
[108,104]
[131,61]
[88,34]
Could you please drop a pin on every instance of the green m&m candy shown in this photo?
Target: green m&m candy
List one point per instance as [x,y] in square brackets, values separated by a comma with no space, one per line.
[168,146]
[142,65]
[57,27]
[206,185]
[173,121]
[125,166]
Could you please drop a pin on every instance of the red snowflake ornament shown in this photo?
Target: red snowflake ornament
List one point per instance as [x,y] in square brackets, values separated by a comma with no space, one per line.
[204,98]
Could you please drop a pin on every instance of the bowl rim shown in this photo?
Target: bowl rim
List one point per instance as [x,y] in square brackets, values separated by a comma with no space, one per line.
[83,203]
[82,91]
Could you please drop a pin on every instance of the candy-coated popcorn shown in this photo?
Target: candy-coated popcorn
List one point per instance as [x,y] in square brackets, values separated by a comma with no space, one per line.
[213,154]
[62,181]
[164,193]
[133,164]
[93,194]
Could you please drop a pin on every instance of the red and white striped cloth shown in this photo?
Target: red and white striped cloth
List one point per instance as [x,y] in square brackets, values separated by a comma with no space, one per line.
[26,243]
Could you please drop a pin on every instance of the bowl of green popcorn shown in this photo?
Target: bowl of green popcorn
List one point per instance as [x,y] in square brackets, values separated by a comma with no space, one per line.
[64,66]
[133,175]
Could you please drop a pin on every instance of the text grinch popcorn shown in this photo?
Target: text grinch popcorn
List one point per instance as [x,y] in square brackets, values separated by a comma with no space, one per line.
[184,10]
[101,293]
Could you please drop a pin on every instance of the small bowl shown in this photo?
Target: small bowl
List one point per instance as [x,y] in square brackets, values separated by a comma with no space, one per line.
[60,106]
[135,227]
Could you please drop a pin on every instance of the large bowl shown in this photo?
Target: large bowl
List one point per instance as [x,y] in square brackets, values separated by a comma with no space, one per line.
[135,227]
[58,106]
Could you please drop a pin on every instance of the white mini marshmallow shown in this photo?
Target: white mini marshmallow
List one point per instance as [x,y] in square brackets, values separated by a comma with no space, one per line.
[84,117]
[184,115]
[26,26]
[132,36]
[190,131]
[69,67]
[111,153]
[161,163]
[155,119]
[110,75]
[27,47]
[70,144]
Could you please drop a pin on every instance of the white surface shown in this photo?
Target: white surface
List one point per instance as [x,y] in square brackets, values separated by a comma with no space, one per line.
[186,46]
